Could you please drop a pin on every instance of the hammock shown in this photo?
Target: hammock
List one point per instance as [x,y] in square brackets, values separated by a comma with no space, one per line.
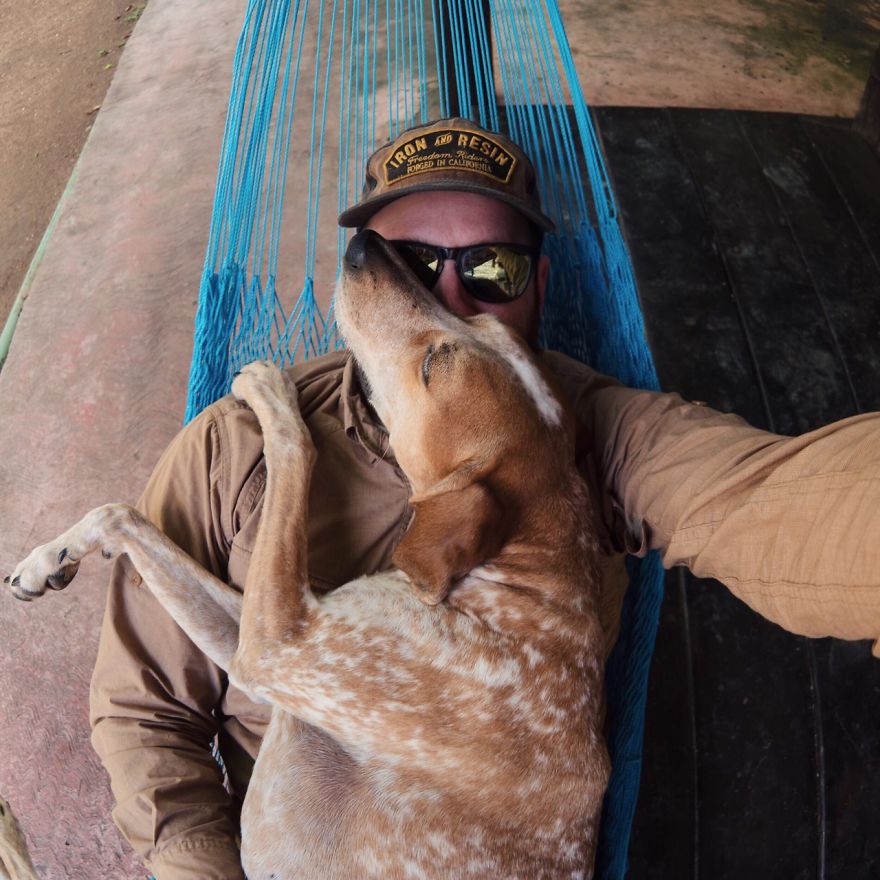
[321,85]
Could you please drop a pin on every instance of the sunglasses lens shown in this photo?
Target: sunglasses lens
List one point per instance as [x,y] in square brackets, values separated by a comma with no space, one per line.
[495,273]
[424,262]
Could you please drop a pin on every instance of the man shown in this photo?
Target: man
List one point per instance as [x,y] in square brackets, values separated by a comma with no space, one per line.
[782,521]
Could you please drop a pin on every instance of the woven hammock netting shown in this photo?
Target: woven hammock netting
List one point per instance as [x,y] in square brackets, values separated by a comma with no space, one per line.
[316,87]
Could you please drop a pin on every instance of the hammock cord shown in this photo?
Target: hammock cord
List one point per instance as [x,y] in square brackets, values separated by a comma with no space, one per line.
[385,65]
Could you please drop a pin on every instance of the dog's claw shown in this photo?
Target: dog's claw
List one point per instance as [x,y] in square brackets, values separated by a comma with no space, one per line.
[16,581]
[62,556]
[6,579]
[106,554]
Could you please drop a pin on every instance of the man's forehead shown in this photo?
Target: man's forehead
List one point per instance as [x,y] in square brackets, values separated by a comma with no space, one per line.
[450,210]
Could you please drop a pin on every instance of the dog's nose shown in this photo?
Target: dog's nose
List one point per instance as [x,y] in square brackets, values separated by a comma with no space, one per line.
[356,254]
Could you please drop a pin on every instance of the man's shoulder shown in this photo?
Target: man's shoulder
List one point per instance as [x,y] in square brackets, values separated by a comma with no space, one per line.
[563,365]
[574,376]
[225,438]
[319,380]
[228,423]
[316,379]
[321,368]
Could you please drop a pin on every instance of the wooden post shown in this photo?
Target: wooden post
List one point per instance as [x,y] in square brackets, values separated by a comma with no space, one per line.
[868,119]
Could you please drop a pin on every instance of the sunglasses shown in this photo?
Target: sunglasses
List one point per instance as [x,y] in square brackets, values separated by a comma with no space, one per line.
[492,273]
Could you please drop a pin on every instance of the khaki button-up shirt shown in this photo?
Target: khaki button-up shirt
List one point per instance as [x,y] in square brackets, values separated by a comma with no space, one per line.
[790,525]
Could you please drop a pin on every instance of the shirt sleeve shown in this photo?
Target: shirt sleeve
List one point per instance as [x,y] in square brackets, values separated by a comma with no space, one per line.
[791,525]
[154,694]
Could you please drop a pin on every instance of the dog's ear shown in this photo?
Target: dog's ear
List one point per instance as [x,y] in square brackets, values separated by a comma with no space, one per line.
[450,534]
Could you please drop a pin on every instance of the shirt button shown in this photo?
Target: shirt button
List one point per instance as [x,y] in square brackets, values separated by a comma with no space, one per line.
[136,579]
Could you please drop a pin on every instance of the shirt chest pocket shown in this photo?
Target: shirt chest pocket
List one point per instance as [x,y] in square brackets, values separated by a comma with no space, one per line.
[358,511]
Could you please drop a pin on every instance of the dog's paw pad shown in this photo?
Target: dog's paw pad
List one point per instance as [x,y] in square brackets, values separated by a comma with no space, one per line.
[61,578]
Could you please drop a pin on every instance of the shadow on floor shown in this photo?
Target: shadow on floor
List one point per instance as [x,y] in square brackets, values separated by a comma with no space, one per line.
[756,245]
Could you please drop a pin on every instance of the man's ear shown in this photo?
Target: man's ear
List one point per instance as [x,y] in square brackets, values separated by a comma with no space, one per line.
[542,274]
[450,534]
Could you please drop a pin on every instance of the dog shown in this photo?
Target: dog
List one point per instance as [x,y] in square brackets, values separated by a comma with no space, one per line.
[442,719]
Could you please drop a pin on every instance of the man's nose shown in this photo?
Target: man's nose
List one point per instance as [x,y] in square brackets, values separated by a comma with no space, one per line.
[451,293]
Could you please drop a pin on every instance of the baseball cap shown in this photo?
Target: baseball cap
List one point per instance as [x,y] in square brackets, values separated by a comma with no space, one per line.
[449,154]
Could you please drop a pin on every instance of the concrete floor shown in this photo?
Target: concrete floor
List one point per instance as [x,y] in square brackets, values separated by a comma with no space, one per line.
[788,55]
[95,382]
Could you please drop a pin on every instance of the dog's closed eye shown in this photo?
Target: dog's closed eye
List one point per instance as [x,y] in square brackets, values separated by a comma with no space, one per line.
[426,364]
[437,358]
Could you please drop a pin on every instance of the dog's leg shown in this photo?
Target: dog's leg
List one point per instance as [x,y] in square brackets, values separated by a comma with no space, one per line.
[202,605]
[277,598]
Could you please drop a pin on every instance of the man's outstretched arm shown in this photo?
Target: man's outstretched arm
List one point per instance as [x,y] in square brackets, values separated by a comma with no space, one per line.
[791,525]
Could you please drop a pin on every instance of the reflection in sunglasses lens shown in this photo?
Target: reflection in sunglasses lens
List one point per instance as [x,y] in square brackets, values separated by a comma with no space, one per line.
[423,261]
[497,271]
[492,273]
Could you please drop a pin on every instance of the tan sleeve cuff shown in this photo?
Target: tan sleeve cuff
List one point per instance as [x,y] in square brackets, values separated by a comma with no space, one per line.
[203,858]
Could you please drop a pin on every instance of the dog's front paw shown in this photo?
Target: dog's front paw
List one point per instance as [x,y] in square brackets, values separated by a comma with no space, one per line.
[261,383]
[271,393]
[48,567]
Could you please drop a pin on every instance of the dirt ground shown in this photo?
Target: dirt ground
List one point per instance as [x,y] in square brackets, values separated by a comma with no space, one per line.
[56,62]
[797,56]
[810,56]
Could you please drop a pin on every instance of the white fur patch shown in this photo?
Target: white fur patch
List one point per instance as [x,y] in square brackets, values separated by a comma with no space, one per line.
[498,336]
[548,406]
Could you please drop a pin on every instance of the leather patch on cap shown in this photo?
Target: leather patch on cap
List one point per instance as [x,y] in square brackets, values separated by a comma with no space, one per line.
[449,150]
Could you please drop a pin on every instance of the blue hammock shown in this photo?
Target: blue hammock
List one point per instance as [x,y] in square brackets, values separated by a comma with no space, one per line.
[322,85]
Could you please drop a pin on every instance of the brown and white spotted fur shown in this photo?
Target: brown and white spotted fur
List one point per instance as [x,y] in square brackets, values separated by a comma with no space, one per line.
[442,720]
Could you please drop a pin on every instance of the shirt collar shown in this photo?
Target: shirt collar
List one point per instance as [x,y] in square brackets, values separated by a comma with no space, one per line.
[362,425]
